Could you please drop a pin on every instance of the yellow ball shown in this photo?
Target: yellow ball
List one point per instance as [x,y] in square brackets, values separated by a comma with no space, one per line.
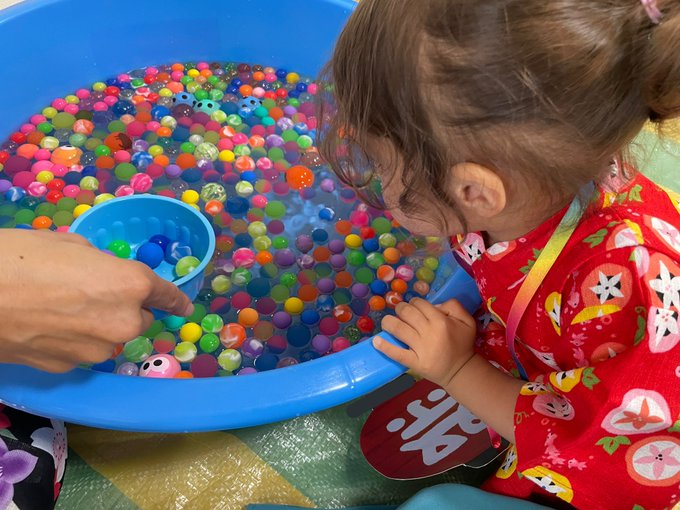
[45,176]
[71,99]
[293,78]
[218,116]
[104,197]
[193,73]
[80,209]
[191,332]
[169,122]
[155,150]
[227,156]
[165,92]
[353,241]
[190,197]
[293,306]
[49,112]
[99,86]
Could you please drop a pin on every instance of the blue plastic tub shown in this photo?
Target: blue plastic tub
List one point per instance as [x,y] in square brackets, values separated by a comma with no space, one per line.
[94,40]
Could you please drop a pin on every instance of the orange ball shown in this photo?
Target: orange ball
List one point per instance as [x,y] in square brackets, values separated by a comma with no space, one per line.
[143,116]
[248,317]
[343,279]
[343,227]
[393,298]
[392,255]
[321,254]
[27,150]
[407,248]
[207,73]
[399,286]
[246,90]
[376,303]
[258,76]
[177,67]
[276,113]
[214,207]
[308,293]
[42,222]
[164,132]
[184,374]
[162,160]
[185,161]
[385,273]
[232,335]
[175,87]
[299,177]
[264,257]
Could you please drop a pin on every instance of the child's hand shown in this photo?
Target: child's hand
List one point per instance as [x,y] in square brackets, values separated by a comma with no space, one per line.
[440,338]
[63,302]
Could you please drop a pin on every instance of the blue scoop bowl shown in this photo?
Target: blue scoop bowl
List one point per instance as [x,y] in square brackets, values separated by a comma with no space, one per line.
[136,218]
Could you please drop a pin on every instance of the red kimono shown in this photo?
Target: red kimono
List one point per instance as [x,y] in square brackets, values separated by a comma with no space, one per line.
[598,425]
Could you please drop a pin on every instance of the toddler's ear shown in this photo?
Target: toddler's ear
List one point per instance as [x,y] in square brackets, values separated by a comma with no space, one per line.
[478,190]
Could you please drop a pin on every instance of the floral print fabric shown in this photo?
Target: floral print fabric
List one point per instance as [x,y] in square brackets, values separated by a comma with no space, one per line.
[598,423]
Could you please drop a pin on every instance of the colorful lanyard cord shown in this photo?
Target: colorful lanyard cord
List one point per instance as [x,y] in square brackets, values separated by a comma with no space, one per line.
[540,269]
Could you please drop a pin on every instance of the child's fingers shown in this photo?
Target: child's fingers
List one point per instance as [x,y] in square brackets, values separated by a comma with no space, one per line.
[424,307]
[399,329]
[456,311]
[406,357]
[411,315]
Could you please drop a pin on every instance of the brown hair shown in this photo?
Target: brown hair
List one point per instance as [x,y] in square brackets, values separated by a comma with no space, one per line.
[544,92]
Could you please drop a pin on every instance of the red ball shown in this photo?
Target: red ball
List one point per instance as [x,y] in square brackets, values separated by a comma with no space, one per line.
[112,91]
[56,184]
[18,137]
[366,233]
[54,196]
[4,156]
[365,324]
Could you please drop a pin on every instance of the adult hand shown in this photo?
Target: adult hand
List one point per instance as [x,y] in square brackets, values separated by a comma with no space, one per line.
[63,302]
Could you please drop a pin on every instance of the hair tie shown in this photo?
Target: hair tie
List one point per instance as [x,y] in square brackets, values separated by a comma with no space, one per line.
[652,11]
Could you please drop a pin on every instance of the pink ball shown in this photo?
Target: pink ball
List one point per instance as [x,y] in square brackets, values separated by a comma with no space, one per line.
[124,77]
[141,183]
[243,257]
[110,100]
[100,106]
[160,366]
[225,144]
[82,93]
[135,128]
[265,164]
[59,103]
[71,190]
[42,155]
[23,179]
[62,229]
[270,77]
[71,108]
[239,139]
[176,75]
[59,170]
[340,344]
[258,92]
[153,125]
[122,156]
[41,165]
[124,191]
[36,189]
[37,119]
[259,201]
[359,218]
[405,273]
[312,88]
[27,128]
[202,65]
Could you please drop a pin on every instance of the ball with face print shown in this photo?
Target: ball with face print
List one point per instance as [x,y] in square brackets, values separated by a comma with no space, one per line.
[160,366]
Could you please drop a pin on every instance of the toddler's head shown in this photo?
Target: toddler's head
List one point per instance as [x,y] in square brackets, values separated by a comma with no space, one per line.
[473,112]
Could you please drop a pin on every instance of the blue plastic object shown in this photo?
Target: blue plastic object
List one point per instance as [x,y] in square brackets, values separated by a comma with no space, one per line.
[134,403]
[138,218]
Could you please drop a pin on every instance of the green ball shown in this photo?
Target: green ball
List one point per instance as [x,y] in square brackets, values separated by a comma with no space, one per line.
[116,126]
[46,209]
[174,322]
[63,218]
[275,209]
[356,258]
[63,120]
[201,95]
[24,217]
[124,171]
[77,139]
[66,204]
[186,265]
[241,276]
[290,135]
[185,352]
[381,225]
[375,260]
[120,248]
[209,342]
[288,279]
[279,293]
[229,359]
[352,333]
[187,147]
[138,349]
[198,313]
[213,191]
[212,323]
[262,243]
[364,275]
[269,270]
[155,329]
[102,150]
[45,128]
[342,296]
[431,263]
[387,240]
[425,274]
[305,142]
[220,284]
[256,229]
[276,154]
[323,269]
[280,243]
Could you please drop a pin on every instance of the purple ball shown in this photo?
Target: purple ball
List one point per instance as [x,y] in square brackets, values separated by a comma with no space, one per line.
[308,193]
[247,371]
[252,347]
[327,185]
[282,320]
[173,171]
[338,261]
[306,261]
[321,344]
[336,246]
[326,285]
[360,290]
[274,141]
[289,111]
[304,243]
[284,258]
[4,185]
